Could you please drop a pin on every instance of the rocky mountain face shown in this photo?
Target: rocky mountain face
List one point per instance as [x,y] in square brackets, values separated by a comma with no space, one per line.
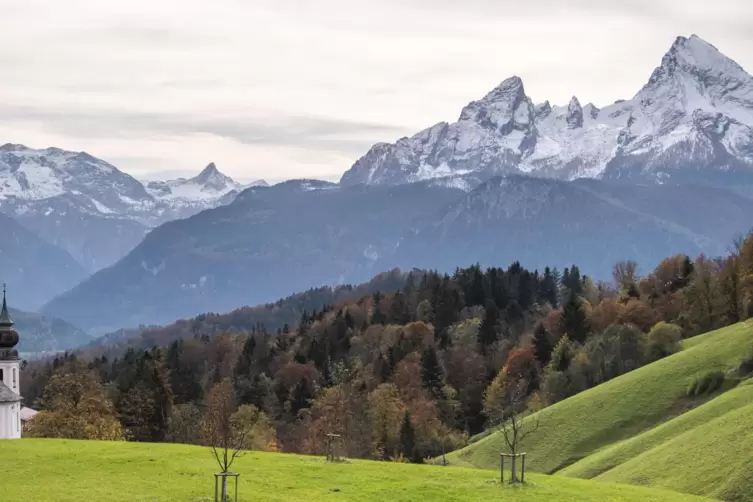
[271,242]
[692,122]
[91,209]
[34,270]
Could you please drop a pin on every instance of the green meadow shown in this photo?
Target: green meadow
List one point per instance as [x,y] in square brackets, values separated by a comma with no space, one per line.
[73,471]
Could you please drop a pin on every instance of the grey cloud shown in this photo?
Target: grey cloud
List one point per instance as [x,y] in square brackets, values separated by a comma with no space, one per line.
[348,137]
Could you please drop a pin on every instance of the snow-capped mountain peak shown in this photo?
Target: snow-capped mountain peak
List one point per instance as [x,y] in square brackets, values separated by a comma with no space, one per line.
[693,120]
[28,174]
[574,114]
[73,200]
[698,56]
[211,177]
[205,188]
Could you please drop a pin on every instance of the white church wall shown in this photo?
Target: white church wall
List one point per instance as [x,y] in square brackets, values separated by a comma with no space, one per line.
[11,377]
[10,421]
[10,413]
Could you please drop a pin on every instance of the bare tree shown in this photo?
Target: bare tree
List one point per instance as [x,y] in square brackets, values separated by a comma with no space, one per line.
[625,273]
[225,441]
[509,416]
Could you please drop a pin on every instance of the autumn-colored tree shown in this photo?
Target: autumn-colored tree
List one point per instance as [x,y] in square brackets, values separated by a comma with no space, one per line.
[730,288]
[255,427]
[702,297]
[387,410]
[746,273]
[185,424]
[74,405]
[407,378]
[466,372]
[637,313]
[606,313]
[521,363]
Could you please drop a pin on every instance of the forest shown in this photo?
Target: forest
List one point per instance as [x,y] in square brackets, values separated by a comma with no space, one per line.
[406,367]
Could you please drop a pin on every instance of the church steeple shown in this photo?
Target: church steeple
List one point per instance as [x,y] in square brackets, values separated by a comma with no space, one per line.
[8,335]
[5,320]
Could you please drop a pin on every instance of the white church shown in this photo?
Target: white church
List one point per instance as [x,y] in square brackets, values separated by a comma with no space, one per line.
[10,385]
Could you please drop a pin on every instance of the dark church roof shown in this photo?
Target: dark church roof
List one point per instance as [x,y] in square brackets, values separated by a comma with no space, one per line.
[7,395]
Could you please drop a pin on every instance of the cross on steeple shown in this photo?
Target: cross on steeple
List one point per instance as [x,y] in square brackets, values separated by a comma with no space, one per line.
[5,320]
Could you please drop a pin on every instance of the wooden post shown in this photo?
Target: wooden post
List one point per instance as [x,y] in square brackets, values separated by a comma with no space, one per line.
[501,468]
[523,470]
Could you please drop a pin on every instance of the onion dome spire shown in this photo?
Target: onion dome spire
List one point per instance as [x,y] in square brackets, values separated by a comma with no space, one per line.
[8,335]
[5,320]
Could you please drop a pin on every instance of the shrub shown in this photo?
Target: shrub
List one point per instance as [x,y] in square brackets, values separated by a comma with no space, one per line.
[663,340]
[707,383]
[746,366]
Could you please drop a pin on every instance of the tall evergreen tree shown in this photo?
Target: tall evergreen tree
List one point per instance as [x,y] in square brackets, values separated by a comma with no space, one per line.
[377,316]
[399,311]
[542,345]
[447,305]
[474,291]
[548,288]
[408,440]
[488,332]
[431,373]
[574,321]
[245,360]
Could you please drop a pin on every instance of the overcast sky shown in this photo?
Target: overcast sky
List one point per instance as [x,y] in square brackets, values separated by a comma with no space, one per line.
[279,89]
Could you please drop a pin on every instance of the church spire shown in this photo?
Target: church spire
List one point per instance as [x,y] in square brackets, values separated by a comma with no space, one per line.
[5,320]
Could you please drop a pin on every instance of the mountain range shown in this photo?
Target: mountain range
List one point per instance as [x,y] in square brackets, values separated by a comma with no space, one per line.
[91,209]
[668,171]
[691,122]
[270,242]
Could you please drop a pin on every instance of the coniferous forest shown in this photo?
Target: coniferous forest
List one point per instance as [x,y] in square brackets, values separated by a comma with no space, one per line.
[408,366]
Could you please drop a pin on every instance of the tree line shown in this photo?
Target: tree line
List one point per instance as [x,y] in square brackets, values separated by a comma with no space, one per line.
[405,374]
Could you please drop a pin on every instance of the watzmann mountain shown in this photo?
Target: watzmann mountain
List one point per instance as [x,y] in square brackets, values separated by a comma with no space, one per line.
[91,209]
[692,122]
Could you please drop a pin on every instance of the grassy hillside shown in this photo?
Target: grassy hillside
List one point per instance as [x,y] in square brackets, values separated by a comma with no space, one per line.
[691,422]
[619,409]
[712,459]
[60,470]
